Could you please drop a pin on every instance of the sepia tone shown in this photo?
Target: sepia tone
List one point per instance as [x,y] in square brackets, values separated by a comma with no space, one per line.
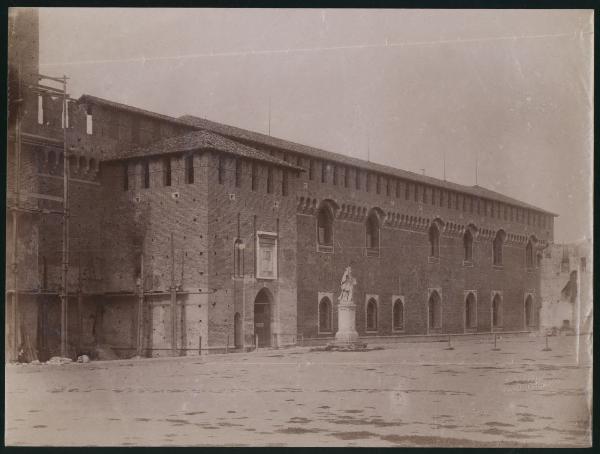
[198,283]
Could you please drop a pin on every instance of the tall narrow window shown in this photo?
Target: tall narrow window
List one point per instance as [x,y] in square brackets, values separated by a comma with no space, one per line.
[368,182]
[398,315]
[434,309]
[269,180]
[335,175]
[497,311]
[238,172]
[529,313]
[529,254]
[346,176]
[189,169]
[323,172]
[146,166]
[357,179]
[372,235]
[254,176]
[398,189]
[40,110]
[325,311]
[167,171]
[125,176]
[221,169]
[497,247]
[311,169]
[387,187]
[372,315]
[406,191]
[470,311]
[468,246]
[284,183]
[434,241]
[378,183]
[424,195]
[449,199]
[89,127]
[238,258]
[417,189]
[325,229]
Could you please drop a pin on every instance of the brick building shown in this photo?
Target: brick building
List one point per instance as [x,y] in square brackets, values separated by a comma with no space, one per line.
[215,237]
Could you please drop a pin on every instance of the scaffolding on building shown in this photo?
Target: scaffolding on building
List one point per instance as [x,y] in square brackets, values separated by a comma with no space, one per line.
[17,207]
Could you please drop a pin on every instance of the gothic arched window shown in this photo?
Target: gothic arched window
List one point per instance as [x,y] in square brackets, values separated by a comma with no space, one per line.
[497,247]
[325,325]
[325,227]
[372,236]
[398,315]
[434,241]
[372,315]
[468,245]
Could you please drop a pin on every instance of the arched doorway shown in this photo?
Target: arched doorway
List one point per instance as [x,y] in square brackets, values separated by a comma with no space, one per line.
[237,330]
[497,311]
[529,315]
[262,317]
[434,309]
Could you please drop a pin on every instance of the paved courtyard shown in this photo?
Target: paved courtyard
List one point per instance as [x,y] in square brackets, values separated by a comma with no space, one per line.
[407,394]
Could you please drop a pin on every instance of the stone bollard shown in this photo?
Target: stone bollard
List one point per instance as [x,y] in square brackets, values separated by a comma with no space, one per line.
[495,343]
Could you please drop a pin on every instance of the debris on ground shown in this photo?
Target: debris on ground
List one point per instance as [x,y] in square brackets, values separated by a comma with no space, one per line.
[59,360]
[83,359]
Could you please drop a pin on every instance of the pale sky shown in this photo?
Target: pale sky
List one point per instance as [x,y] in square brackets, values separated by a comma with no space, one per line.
[511,90]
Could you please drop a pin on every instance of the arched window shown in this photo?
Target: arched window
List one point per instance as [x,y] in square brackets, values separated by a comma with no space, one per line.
[434,241]
[398,315]
[468,245]
[372,237]
[325,325]
[470,311]
[238,258]
[372,315]
[529,316]
[325,227]
[434,311]
[497,311]
[529,254]
[497,247]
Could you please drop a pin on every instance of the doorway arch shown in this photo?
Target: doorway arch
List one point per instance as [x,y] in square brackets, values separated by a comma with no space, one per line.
[263,304]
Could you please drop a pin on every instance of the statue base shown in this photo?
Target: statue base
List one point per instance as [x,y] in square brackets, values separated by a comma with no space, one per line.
[346,338]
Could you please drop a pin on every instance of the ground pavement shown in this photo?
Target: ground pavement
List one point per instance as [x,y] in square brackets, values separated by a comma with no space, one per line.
[408,394]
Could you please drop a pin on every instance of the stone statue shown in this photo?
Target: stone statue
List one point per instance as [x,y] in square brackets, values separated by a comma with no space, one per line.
[347,287]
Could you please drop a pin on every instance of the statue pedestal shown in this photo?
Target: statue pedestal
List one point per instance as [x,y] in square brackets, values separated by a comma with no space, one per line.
[346,337]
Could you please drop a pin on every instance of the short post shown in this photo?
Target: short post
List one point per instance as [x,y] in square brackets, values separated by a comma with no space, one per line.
[547,348]
[495,343]
[200,345]
[449,347]
[256,342]
[227,346]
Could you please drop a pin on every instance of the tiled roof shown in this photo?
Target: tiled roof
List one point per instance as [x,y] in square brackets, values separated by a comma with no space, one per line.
[258,138]
[201,140]
[117,105]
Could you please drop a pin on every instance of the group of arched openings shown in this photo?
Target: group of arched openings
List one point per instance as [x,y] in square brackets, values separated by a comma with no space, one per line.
[434,313]
[325,219]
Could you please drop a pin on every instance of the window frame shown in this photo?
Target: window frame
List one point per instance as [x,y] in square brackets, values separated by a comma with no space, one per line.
[467,328]
[320,297]
[395,299]
[368,299]
[259,269]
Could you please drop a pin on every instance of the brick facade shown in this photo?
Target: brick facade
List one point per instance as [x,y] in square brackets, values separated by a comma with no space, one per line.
[198,240]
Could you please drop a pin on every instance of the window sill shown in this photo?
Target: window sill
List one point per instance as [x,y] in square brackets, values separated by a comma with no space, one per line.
[398,330]
[325,333]
[433,259]
[498,267]
[371,332]
[324,249]
[468,263]
[471,330]
[266,278]
[372,252]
